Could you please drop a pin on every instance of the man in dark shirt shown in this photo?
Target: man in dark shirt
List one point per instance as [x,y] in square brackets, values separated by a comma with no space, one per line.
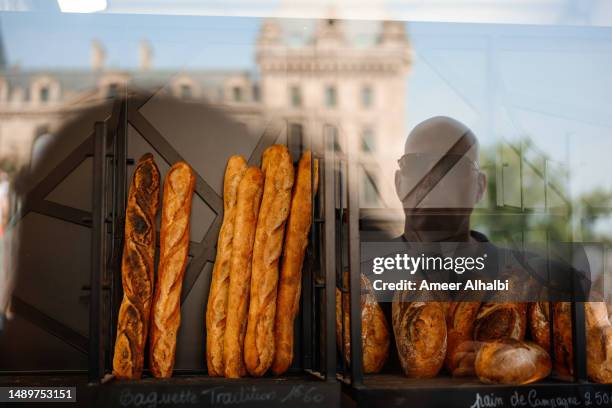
[439,183]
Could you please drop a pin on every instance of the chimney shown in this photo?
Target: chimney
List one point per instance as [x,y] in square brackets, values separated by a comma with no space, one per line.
[330,33]
[98,55]
[393,33]
[270,33]
[146,55]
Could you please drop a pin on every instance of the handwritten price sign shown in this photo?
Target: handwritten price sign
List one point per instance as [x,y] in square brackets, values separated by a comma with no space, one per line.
[529,398]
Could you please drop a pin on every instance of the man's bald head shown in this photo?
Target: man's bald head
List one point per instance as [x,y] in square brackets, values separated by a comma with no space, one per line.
[439,181]
[438,135]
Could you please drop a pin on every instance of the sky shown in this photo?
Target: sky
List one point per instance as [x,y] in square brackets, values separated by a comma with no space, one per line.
[551,82]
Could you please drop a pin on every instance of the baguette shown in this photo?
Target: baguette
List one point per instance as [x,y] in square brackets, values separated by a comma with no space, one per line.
[259,344]
[375,338]
[137,270]
[216,309]
[420,336]
[174,249]
[247,209]
[296,241]
[510,361]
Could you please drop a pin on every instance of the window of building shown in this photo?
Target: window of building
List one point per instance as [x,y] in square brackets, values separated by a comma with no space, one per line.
[113,90]
[331,97]
[44,94]
[256,93]
[296,96]
[370,193]
[368,142]
[237,94]
[296,139]
[332,138]
[367,96]
[186,92]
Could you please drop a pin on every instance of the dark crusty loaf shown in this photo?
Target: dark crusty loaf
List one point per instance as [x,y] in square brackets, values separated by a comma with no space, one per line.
[296,241]
[539,325]
[247,209]
[174,249]
[598,336]
[460,354]
[496,321]
[216,309]
[599,342]
[259,342]
[137,270]
[375,336]
[420,336]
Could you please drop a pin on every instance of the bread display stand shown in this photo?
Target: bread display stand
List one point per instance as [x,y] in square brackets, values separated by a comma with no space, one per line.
[114,145]
[390,388]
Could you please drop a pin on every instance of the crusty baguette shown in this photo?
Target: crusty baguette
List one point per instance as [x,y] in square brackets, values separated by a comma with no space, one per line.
[137,270]
[375,336]
[259,344]
[420,336]
[173,252]
[247,209]
[496,321]
[216,309]
[510,361]
[296,241]
[460,354]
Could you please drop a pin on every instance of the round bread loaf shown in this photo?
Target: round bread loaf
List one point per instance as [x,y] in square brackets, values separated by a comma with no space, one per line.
[510,361]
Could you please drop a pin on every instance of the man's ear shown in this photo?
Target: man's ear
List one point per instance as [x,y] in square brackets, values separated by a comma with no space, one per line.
[482,186]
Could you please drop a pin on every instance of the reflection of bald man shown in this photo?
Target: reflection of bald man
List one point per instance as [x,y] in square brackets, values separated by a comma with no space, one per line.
[439,182]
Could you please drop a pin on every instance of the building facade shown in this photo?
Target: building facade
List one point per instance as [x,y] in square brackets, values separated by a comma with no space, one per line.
[327,81]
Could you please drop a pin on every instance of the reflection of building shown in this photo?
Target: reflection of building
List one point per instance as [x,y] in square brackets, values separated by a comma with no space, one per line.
[323,80]
[328,82]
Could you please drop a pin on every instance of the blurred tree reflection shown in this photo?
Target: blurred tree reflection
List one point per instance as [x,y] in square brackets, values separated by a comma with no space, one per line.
[528,199]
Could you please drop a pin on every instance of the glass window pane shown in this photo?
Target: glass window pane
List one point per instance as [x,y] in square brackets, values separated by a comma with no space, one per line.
[331,97]
[296,136]
[44,94]
[367,97]
[237,94]
[368,144]
[113,91]
[296,97]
